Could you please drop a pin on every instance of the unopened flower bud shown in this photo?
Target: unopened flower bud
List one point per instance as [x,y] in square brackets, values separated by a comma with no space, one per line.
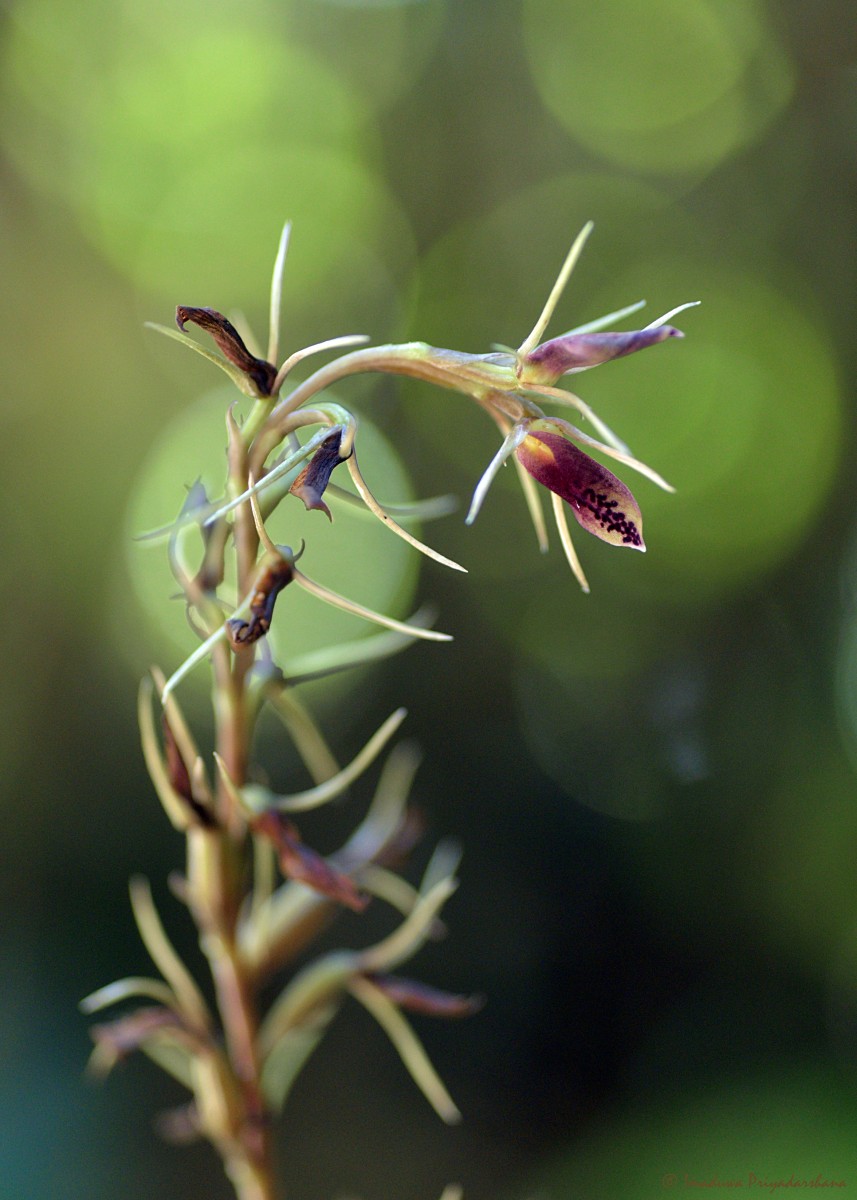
[579,351]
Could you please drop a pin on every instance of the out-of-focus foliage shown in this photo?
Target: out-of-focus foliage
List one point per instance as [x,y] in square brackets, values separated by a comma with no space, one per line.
[655,783]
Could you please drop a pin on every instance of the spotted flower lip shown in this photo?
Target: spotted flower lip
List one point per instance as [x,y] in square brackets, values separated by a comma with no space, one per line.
[601,503]
[579,351]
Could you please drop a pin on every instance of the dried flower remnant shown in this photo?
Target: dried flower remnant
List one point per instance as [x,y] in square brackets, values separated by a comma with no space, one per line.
[300,862]
[198,807]
[275,573]
[417,997]
[314,478]
[261,374]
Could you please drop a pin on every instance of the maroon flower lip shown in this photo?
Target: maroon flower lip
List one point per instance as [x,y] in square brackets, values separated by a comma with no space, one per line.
[601,503]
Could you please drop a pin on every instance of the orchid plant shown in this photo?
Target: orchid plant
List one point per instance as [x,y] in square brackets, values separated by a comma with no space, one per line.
[257,893]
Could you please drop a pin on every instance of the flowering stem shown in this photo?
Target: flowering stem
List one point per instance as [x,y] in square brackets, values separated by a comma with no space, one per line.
[240,1063]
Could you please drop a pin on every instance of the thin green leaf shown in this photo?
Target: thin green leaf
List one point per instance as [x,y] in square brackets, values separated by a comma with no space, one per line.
[164,955]
[125,989]
[405,941]
[239,378]
[286,1059]
[358,610]
[324,792]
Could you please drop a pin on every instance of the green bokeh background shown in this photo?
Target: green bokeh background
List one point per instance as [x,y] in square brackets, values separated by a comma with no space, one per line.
[654,784]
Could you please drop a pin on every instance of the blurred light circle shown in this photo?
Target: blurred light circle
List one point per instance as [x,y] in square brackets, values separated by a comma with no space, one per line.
[355,555]
[184,151]
[678,88]
[381,47]
[206,237]
[582,726]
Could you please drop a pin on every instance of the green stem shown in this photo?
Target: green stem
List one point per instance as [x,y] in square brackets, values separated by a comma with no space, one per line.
[470,374]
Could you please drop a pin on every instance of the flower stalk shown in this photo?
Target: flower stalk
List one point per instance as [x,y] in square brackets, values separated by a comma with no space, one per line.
[257,894]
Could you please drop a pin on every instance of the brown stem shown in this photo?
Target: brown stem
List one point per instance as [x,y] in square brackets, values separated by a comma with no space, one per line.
[216,869]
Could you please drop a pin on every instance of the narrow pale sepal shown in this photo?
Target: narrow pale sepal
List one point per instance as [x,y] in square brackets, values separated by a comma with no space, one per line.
[409,1047]
[673,312]
[601,503]
[510,444]
[181,780]
[580,351]
[315,664]
[384,516]
[334,343]
[277,293]
[328,790]
[388,817]
[164,956]
[305,734]
[359,610]
[287,1058]
[315,988]
[611,318]
[173,804]
[139,1030]
[125,989]
[556,291]
[429,509]
[567,544]
[404,942]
